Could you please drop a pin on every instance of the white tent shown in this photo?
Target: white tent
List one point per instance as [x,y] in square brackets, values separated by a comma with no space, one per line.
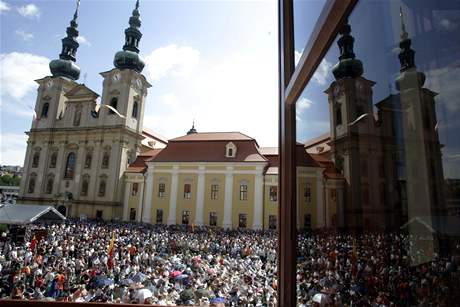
[26,214]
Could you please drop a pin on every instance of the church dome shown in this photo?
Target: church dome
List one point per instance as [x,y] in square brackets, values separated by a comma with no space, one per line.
[348,66]
[65,68]
[128,60]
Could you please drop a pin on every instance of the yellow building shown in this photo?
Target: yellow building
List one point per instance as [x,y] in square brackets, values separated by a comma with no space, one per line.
[225,179]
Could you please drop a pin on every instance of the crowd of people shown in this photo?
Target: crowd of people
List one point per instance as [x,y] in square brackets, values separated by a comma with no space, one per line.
[171,265]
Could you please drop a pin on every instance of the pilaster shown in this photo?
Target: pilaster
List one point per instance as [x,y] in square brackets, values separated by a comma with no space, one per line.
[140,201]
[200,197]
[128,188]
[228,198]
[173,197]
[147,212]
[258,199]
[320,204]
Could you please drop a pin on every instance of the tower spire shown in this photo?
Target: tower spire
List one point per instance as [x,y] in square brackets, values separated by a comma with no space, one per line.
[407,59]
[65,66]
[407,55]
[348,66]
[129,58]
[192,130]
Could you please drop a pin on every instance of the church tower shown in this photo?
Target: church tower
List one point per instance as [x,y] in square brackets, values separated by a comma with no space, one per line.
[422,150]
[124,87]
[352,130]
[77,154]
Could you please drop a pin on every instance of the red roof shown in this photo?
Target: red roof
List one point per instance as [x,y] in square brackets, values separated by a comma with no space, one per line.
[214,136]
[139,166]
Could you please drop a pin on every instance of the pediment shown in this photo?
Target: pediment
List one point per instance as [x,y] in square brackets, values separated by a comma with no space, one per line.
[81,91]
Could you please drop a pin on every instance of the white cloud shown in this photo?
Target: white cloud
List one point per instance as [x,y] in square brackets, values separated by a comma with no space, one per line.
[448,24]
[321,73]
[236,91]
[24,35]
[19,70]
[302,104]
[12,148]
[29,10]
[4,6]
[172,60]
[297,56]
[83,41]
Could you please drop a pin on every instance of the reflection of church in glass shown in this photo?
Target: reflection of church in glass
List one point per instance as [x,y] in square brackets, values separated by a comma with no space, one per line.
[390,161]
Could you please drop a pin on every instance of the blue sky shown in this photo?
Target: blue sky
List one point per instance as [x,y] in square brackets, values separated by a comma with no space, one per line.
[212,61]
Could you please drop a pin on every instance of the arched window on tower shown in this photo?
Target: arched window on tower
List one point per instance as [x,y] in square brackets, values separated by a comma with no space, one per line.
[45,108]
[53,159]
[135,109]
[31,187]
[102,186]
[105,159]
[84,185]
[88,159]
[70,166]
[36,159]
[49,184]
[113,104]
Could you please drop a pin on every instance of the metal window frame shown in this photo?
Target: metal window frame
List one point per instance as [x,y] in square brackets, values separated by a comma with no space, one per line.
[292,81]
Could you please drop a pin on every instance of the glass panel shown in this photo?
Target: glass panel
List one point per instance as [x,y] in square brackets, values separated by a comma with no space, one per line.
[306,13]
[377,147]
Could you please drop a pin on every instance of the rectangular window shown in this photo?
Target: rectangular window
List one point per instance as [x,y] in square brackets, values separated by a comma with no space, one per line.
[161,190]
[185,217]
[272,221]
[273,193]
[159,216]
[242,220]
[132,214]
[187,191]
[213,219]
[307,193]
[134,189]
[99,214]
[243,192]
[214,191]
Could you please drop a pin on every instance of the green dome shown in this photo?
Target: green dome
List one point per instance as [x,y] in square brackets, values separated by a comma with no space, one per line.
[128,60]
[64,68]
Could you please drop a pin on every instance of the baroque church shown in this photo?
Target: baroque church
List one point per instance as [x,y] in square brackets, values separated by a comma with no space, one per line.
[98,162]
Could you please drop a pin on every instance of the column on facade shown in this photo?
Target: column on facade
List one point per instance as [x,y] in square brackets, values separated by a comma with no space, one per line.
[173,197]
[147,212]
[320,204]
[228,201]
[200,197]
[141,201]
[258,199]
[126,199]
[42,170]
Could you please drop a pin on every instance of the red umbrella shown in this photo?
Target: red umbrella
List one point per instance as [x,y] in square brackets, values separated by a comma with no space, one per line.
[176,273]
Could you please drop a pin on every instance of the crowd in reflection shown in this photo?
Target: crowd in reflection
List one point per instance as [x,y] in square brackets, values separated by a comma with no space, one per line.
[131,263]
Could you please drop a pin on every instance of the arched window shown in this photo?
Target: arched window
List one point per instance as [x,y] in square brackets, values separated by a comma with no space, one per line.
[36,159]
[113,104]
[53,159]
[102,186]
[105,160]
[70,166]
[84,186]
[49,185]
[31,187]
[135,107]
[45,108]
[88,159]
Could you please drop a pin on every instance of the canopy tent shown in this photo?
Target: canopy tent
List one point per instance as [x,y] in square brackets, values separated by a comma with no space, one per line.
[26,214]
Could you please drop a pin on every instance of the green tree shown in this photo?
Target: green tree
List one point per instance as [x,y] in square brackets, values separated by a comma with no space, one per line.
[10,180]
